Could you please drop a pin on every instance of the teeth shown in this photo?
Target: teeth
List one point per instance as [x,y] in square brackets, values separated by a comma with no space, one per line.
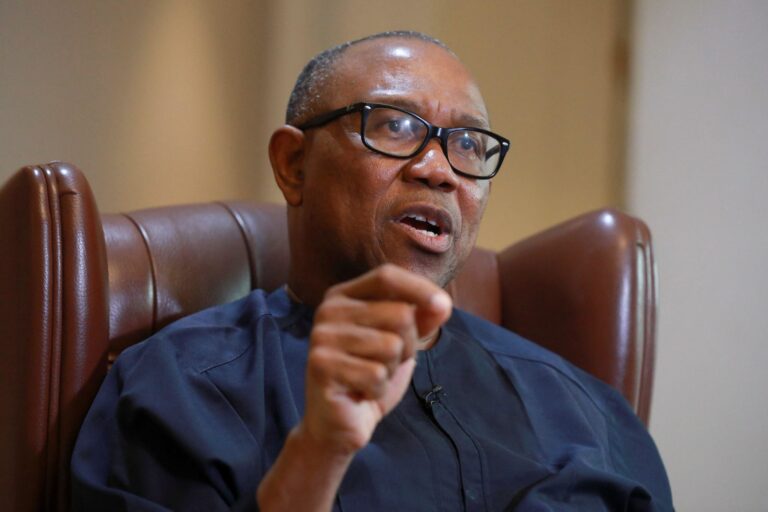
[432,228]
[424,219]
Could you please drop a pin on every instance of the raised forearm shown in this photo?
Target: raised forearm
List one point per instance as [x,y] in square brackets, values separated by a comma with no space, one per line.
[306,476]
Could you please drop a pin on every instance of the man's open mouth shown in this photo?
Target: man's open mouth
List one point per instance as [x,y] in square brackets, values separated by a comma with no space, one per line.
[430,227]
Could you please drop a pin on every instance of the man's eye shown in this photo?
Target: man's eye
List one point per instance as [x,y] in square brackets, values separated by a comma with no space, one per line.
[468,145]
[394,125]
[400,125]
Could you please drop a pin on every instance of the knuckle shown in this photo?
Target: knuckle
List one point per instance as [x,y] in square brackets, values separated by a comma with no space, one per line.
[387,274]
[323,313]
[402,316]
[322,334]
[318,360]
[331,308]
[378,374]
[333,291]
[391,346]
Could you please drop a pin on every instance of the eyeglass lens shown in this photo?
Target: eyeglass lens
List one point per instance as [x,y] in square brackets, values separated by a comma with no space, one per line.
[398,133]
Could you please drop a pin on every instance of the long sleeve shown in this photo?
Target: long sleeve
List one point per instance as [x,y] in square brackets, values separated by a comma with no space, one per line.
[189,419]
[158,444]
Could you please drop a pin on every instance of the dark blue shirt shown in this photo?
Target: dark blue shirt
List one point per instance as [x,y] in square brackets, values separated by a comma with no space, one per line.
[194,417]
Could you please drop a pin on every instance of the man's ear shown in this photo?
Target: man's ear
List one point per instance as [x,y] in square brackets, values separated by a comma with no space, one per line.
[286,154]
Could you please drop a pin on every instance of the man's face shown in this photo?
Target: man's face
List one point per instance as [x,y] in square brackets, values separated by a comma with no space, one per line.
[361,209]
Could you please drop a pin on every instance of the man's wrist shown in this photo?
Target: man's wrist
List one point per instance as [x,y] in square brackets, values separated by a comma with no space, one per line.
[301,440]
[305,476]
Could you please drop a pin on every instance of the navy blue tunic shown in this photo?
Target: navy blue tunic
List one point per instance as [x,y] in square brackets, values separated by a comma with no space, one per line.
[194,417]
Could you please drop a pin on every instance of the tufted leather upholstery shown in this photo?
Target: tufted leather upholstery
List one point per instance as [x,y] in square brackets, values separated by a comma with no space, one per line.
[165,263]
[53,329]
[77,287]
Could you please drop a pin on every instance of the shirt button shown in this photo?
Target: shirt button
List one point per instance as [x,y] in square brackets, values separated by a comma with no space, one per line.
[471,495]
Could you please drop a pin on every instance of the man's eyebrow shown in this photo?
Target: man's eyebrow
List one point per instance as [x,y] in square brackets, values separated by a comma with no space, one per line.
[463,120]
[471,121]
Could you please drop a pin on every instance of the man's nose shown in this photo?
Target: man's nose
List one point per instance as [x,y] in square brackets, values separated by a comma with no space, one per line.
[431,167]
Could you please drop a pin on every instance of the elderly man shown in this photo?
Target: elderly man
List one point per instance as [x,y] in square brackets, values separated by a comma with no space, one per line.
[311,398]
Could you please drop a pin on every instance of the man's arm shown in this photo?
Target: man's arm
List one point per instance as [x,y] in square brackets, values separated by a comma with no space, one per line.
[361,359]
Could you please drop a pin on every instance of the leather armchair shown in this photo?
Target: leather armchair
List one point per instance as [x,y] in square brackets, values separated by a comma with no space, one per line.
[77,287]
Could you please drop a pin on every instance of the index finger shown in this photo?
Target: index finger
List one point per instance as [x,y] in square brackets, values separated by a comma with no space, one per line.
[392,283]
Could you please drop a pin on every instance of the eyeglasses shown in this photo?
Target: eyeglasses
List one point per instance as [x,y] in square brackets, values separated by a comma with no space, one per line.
[395,132]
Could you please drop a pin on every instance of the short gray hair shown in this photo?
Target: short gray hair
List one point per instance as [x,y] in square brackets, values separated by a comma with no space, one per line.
[309,87]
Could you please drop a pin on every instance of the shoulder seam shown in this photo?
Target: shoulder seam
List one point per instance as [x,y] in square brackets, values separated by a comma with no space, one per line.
[570,378]
[237,356]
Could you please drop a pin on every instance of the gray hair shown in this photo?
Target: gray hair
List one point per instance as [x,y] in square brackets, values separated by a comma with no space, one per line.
[310,85]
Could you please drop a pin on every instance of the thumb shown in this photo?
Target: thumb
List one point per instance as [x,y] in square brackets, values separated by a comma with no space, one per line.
[433,314]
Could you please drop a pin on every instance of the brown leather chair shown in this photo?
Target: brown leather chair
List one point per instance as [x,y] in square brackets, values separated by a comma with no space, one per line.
[76,287]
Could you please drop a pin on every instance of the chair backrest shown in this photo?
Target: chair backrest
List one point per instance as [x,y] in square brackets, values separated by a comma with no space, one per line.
[77,287]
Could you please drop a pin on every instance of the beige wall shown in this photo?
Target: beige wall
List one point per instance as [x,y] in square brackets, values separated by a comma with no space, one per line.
[148,98]
[698,172]
[173,101]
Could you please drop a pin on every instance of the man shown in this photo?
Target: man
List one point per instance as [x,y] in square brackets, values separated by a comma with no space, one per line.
[310,398]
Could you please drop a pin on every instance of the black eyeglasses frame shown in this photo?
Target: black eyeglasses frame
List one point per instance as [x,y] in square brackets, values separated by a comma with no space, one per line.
[441,133]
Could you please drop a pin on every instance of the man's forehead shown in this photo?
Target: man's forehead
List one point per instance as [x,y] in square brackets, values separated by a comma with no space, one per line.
[405,72]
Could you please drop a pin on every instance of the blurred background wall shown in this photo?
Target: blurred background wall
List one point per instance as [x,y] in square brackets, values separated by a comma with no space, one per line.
[174,100]
[656,106]
[698,174]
